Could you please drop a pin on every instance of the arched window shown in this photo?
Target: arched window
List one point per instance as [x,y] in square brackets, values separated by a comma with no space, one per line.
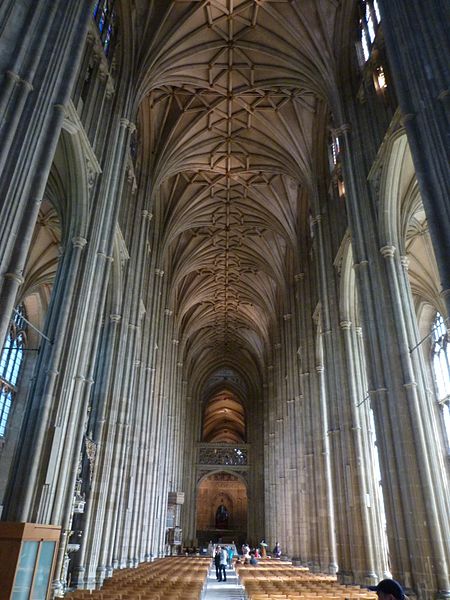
[333,150]
[440,356]
[368,23]
[105,18]
[334,158]
[10,363]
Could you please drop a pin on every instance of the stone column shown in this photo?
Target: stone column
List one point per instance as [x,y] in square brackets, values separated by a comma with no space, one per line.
[324,483]
[96,502]
[333,392]
[418,46]
[157,502]
[411,509]
[284,509]
[23,486]
[43,53]
[269,458]
[290,433]
[418,468]
[156,406]
[300,359]
[192,434]
[95,281]
[364,543]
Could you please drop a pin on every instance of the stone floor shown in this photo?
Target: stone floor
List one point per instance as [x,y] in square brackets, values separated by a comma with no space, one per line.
[231,589]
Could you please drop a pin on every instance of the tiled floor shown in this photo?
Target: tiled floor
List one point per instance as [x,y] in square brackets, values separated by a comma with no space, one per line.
[230,589]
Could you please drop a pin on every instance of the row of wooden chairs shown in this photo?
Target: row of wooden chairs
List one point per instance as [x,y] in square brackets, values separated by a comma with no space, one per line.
[177,578]
[283,581]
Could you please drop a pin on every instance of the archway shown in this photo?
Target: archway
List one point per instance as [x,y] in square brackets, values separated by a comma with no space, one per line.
[222,508]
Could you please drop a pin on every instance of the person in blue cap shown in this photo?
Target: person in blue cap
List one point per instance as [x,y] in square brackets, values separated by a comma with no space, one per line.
[388,589]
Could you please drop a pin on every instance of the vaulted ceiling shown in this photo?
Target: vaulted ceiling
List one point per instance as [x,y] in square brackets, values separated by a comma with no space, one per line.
[233,100]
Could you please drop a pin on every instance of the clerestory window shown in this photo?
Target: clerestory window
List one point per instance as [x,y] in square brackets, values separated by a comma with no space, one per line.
[368,23]
[106,18]
[440,356]
[10,364]
[333,150]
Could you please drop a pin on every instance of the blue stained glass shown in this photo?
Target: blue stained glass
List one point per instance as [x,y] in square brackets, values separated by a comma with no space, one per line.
[105,17]
[15,373]
[5,407]
[11,361]
[96,7]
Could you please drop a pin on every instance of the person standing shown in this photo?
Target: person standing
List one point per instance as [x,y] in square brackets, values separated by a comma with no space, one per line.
[277,550]
[217,562]
[230,551]
[223,565]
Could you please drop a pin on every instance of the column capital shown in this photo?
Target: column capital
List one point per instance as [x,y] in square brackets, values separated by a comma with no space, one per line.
[388,251]
[362,263]
[18,79]
[344,128]
[14,277]
[124,122]
[79,242]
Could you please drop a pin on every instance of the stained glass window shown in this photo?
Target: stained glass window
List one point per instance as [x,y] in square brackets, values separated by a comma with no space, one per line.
[10,363]
[105,18]
[440,354]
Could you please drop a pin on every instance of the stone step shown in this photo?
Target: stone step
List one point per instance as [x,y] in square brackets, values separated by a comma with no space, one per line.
[231,589]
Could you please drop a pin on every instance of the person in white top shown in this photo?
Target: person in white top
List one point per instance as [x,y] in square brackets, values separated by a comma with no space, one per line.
[223,564]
